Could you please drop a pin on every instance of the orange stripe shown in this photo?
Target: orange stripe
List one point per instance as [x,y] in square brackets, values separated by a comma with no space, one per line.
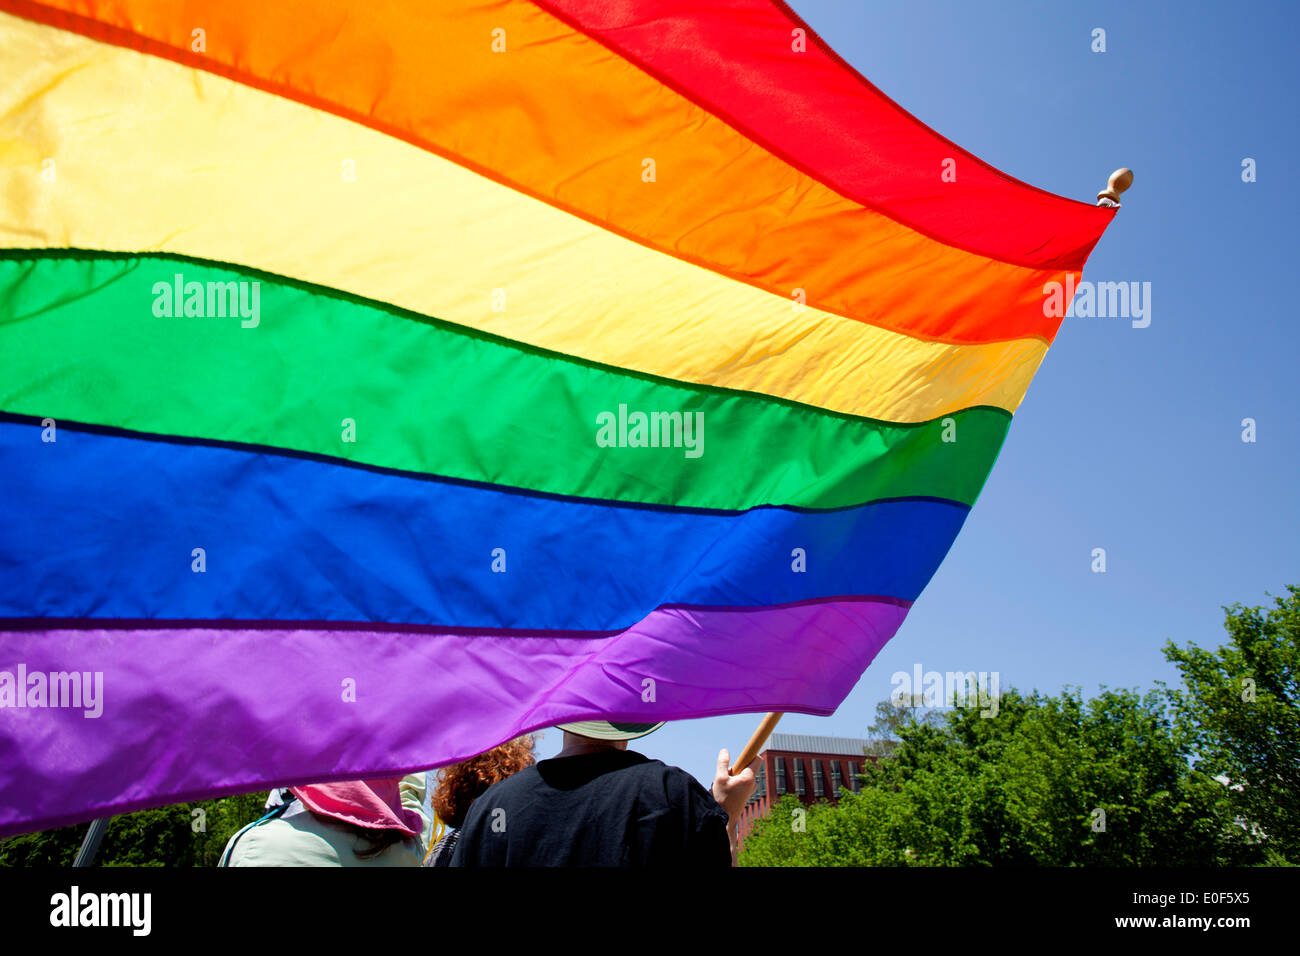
[562,118]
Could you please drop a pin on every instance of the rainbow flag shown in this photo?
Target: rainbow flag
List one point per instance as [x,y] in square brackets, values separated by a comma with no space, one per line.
[381,380]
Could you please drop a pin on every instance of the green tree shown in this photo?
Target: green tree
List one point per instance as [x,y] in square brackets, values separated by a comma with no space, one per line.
[1242,709]
[777,839]
[1049,781]
[894,714]
[175,835]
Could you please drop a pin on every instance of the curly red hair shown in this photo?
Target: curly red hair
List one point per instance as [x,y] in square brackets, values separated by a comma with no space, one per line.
[462,783]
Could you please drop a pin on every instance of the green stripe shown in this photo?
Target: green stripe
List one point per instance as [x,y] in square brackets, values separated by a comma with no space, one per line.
[79,341]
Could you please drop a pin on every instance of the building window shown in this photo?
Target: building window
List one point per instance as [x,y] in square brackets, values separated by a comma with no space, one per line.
[853,776]
[780,775]
[760,779]
[819,787]
[798,776]
[836,780]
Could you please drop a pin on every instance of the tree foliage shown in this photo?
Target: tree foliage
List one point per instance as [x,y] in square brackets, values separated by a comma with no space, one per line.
[163,836]
[1242,710]
[893,714]
[1054,781]
[1208,775]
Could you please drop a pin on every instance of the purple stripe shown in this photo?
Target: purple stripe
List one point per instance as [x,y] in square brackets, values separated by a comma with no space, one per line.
[200,712]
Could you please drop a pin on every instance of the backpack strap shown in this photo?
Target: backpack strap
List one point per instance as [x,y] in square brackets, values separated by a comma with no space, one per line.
[273,814]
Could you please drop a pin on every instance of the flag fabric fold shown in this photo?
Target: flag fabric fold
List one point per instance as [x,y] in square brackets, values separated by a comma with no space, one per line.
[362,408]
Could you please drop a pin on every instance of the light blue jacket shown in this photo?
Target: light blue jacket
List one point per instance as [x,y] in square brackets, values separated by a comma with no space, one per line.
[297,837]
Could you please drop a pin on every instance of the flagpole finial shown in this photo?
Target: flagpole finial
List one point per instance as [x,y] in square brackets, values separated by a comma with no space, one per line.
[1120,180]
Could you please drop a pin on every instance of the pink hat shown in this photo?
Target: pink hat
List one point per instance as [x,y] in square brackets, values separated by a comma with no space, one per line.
[373,804]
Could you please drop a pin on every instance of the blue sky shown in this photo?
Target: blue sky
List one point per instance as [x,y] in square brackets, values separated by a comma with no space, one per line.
[1129,439]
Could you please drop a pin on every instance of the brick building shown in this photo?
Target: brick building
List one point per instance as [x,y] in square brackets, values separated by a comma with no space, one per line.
[814,768]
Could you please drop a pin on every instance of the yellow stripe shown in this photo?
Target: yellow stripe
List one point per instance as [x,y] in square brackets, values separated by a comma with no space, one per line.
[150,155]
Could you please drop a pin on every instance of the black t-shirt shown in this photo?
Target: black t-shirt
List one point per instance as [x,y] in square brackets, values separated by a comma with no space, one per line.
[609,808]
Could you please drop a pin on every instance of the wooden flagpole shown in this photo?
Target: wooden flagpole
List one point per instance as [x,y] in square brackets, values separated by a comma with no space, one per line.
[1120,180]
[765,728]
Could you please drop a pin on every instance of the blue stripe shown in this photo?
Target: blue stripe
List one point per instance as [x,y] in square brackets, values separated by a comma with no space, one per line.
[103,526]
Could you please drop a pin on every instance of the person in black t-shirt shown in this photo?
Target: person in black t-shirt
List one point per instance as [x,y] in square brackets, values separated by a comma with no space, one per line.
[596,803]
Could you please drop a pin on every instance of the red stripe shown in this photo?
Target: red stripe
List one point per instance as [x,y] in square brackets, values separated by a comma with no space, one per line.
[735,58]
